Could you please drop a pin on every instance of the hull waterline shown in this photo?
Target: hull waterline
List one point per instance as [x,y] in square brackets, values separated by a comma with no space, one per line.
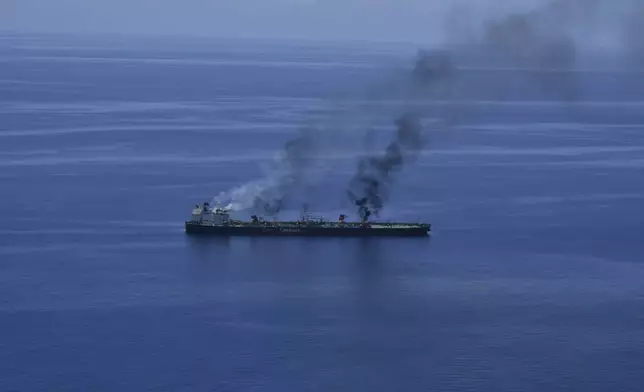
[196,228]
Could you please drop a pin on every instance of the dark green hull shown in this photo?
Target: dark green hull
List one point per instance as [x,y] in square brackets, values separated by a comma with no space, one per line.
[392,230]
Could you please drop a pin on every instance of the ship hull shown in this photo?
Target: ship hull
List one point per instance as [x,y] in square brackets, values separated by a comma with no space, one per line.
[304,231]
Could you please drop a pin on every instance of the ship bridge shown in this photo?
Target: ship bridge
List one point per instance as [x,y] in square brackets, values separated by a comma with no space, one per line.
[204,214]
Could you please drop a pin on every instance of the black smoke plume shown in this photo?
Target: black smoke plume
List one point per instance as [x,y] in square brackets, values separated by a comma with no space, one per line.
[370,187]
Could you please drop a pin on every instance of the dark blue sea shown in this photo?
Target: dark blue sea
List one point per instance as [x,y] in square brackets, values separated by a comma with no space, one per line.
[533,279]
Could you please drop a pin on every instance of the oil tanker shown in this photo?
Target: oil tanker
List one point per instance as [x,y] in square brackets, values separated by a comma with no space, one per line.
[206,220]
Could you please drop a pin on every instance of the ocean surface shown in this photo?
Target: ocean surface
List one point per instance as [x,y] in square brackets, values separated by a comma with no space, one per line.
[533,279]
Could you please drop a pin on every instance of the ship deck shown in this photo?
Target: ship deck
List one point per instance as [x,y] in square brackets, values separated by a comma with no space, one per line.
[308,228]
[322,225]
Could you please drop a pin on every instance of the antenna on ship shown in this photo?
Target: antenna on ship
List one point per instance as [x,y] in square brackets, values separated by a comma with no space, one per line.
[304,213]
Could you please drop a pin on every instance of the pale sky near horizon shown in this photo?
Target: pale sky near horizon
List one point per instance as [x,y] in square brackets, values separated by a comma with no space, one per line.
[417,21]
[381,20]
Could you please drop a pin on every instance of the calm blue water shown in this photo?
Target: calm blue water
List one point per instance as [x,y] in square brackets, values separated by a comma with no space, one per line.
[533,280]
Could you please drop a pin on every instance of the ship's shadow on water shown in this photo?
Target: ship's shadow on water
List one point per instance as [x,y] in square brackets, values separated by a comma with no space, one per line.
[371,253]
[203,244]
[366,251]
[365,261]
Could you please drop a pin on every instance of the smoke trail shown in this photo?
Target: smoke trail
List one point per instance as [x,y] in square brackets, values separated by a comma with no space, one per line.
[370,187]
[540,42]
[633,33]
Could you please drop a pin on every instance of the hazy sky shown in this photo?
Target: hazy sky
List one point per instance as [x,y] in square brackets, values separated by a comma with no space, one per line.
[420,21]
[395,20]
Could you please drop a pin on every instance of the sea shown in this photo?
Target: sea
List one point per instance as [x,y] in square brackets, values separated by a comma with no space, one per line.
[532,179]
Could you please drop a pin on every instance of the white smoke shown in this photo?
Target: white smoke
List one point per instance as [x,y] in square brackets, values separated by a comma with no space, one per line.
[294,169]
[242,197]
